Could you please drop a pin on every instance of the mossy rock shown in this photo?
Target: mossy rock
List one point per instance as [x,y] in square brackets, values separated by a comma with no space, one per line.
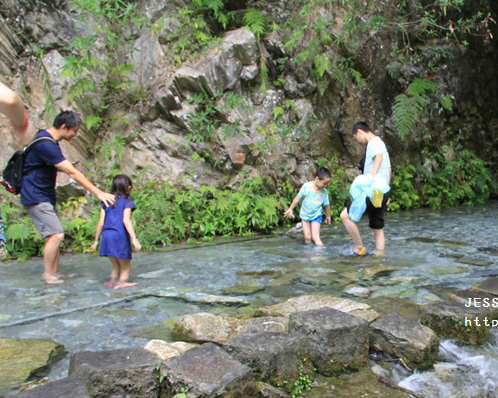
[22,360]
[454,320]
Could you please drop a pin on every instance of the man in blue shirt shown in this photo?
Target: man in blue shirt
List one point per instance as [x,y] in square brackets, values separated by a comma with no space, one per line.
[377,163]
[38,196]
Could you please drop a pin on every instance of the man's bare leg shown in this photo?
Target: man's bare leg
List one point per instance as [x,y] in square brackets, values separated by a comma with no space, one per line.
[51,258]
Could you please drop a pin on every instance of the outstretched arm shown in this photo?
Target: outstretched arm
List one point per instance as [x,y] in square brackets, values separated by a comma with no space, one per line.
[71,171]
[12,106]
[289,213]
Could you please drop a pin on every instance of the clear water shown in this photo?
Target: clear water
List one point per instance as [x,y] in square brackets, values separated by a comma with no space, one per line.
[429,253]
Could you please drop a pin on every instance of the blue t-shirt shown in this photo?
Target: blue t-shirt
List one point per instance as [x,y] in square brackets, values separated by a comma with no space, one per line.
[38,185]
[313,201]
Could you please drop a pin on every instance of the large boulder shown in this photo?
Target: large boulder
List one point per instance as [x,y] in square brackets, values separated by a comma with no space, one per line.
[124,373]
[454,320]
[207,371]
[21,360]
[403,338]
[337,341]
[306,303]
[69,387]
[278,358]
[205,327]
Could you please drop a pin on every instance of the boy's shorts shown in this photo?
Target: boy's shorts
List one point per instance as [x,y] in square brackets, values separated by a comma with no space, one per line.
[318,219]
[375,214]
[45,218]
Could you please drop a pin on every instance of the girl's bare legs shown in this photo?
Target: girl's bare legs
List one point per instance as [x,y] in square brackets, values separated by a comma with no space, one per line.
[114,272]
[307,232]
[124,274]
[315,233]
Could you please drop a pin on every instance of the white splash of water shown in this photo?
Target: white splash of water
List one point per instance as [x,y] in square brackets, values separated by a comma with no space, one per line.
[463,372]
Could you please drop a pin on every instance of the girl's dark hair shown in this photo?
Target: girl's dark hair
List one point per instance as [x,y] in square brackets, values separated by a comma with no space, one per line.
[121,186]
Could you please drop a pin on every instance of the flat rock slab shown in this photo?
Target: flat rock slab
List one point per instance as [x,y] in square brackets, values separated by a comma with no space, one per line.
[403,338]
[70,387]
[337,341]
[23,359]
[124,373]
[489,285]
[205,327]
[455,320]
[311,302]
[207,371]
[277,357]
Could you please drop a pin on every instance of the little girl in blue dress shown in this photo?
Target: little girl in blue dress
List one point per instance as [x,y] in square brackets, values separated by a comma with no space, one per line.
[117,230]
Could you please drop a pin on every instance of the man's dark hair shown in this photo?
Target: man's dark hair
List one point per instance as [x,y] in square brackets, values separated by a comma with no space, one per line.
[361,126]
[69,119]
[323,173]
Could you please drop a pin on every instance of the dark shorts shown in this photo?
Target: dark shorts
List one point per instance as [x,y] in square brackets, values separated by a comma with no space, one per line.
[376,214]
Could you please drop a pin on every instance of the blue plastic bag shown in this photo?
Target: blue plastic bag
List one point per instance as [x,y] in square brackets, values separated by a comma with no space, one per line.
[362,187]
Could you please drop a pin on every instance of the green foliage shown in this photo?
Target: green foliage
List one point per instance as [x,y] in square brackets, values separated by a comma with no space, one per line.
[453,178]
[338,188]
[23,240]
[168,213]
[207,120]
[409,108]
[255,22]
[303,382]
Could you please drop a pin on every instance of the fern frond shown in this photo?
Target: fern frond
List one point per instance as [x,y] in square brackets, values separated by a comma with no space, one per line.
[406,111]
[322,85]
[445,101]
[322,65]
[255,22]
[420,86]
[339,76]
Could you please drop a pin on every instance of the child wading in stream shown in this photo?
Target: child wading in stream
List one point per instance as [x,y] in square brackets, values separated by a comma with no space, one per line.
[315,197]
[116,230]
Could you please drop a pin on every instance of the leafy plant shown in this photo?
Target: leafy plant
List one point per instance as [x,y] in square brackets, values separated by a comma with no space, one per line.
[408,108]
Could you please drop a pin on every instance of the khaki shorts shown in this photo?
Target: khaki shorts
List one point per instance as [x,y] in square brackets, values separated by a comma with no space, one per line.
[45,218]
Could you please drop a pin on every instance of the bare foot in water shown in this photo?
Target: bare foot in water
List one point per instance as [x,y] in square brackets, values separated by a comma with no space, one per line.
[65,276]
[124,285]
[51,279]
[110,284]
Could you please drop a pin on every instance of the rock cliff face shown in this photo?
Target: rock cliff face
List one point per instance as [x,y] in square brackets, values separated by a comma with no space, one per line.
[283,130]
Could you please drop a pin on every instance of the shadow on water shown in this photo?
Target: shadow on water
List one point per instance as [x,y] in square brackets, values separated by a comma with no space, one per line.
[429,254]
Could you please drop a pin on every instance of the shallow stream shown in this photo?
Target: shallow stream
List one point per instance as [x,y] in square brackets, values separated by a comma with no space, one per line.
[429,254]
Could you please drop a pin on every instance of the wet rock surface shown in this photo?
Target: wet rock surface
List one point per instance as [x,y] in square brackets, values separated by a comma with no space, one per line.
[402,338]
[124,373]
[337,341]
[207,371]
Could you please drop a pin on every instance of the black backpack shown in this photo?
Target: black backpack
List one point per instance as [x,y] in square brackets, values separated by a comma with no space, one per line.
[13,172]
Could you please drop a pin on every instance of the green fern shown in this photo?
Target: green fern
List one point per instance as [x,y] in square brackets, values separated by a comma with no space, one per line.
[255,22]
[322,65]
[409,107]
